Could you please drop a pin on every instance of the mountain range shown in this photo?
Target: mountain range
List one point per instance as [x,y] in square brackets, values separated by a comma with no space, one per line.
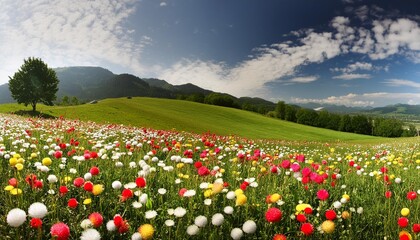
[94,83]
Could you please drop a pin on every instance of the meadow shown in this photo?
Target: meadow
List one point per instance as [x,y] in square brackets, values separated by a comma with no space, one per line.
[79,179]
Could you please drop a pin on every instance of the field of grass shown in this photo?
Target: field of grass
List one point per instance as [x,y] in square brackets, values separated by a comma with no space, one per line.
[192,117]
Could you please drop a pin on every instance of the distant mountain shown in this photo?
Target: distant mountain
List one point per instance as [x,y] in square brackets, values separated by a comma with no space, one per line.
[334,108]
[397,109]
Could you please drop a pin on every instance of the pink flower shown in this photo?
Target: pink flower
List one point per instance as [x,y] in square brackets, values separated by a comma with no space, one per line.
[322,194]
[60,230]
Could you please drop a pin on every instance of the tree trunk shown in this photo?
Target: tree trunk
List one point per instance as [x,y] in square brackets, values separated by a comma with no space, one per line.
[33,106]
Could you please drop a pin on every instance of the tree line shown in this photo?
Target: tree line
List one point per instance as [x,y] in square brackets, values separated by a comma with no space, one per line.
[360,124]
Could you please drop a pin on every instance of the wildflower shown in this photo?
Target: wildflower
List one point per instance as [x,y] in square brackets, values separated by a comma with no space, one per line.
[78,182]
[161,191]
[345,215]
[249,227]
[274,198]
[203,171]
[96,219]
[126,194]
[404,235]
[236,233]
[322,194]
[116,185]
[146,231]
[37,210]
[330,215]
[150,214]
[307,229]
[63,190]
[52,178]
[359,210]
[180,212]
[86,223]
[72,203]
[16,217]
[207,202]
[88,186]
[140,182]
[192,230]
[241,200]
[217,219]
[328,226]
[416,228]
[411,195]
[301,218]
[279,237]
[182,192]
[230,195]
[169,223]
[405,212]
[60,231]
[87,201]
[200,221]
[97,189]
[36,223]
[273,215]
[46,161]
[228,210]
[90,234]
[403,222]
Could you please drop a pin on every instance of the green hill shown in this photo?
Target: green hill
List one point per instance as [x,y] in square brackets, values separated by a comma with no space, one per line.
[193,117]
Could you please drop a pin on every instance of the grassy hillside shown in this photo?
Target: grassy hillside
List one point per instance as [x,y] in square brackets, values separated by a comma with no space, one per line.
[193,117]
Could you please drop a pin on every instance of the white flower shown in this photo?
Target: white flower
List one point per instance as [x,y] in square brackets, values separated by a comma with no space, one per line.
[236,233]
[207,201]
[249,227]
[136,204]
[143,198]
[73,170]
[200,221]
[52,178]
[116,185]
[230,195]
[180,212]
[253,184]
[189,193]
[217,219]
[169,222]
[16,217]
[398,180]
[37,210]
[86,223]
[151,214]
[192,230]
[90,234]
[337,204]
[170,211]
[87,176]
[133,165]
[119,164]
[161,191]
[204,185]
[51,192]
[343,200]
[110,226]
[178,181]
[359,210]
[228,210]
[136,236]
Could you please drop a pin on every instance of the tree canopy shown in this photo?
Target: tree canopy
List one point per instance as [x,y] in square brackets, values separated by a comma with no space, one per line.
[34,83]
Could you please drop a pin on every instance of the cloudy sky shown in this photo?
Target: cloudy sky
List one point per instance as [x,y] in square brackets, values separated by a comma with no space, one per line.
[351,52]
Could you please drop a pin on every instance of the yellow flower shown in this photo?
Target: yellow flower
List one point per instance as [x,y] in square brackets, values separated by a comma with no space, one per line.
[328,226]
[238,192]
[46,161]
[263,169]
[217,188]
[275,197]
[186,176]
[87,201]
[405,212]
[146,231]
[13,161]
[301,207]
[34,155]
[8,187]
[19,166]
[67,179]
[16,191]
[207,193]
[347,197]
[179,165]
[97,189]
[345,215]
[241,200]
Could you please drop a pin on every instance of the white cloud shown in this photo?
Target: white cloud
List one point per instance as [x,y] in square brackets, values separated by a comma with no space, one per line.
[67,33]
[364,100]
[306,79]
[402,82]
[163,4]
[351,76]
[354,67]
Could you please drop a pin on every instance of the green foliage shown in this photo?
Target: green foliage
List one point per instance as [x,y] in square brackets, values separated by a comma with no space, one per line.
[361,125]
[290,113]
[34,83]
[281,110]
[307,117]
[345,124]
[221,99]
[388,127]
[410,132]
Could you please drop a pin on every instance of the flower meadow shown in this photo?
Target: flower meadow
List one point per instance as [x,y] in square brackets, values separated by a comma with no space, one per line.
[66,179]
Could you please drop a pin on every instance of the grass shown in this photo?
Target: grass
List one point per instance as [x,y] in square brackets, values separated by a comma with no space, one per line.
[192,117]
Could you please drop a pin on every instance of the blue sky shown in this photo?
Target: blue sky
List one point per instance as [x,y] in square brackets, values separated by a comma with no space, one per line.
[351,52]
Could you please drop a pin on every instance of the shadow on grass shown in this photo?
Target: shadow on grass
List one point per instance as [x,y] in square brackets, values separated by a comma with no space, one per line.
[29,113]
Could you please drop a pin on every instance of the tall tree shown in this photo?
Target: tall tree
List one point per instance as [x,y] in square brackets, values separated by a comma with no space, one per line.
[34,83]
[281,110]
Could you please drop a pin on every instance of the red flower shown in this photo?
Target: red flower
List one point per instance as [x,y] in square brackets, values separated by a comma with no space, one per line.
[411,195]
[72,203]
[306,172]
[58,154]
[182,191]
[140,182]
[118,220]
[388,194]
[403,222]
[273,215]
[301,218]
[13,182]
[63,190]
[285,164]
[30,179]
[36,223]
[307,229]
[416,228]
[279,237]
[274,169]
[124,227]
[203,171]
[198,164]
[96,219]
[126,194]
[78,182]
[94,171]
[308,210]
[88,186]
[322,194]
[60,231]
[330,215]
[38,184]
